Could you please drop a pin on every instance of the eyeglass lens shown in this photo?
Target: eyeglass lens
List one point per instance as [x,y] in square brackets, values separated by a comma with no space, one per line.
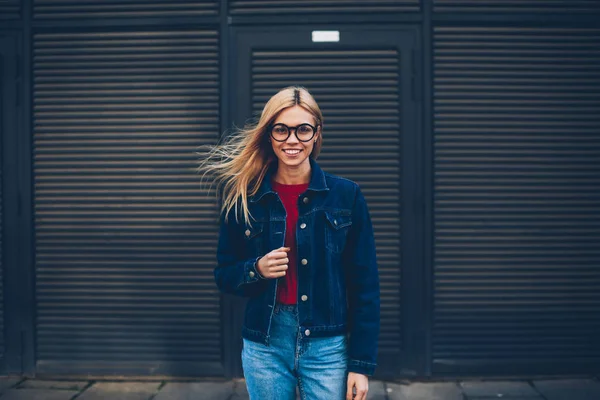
[281,132]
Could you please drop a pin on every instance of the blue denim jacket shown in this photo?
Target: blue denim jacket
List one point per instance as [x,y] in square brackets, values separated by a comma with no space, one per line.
[337,266]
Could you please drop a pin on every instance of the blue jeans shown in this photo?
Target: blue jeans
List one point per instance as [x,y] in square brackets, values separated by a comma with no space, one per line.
[318,366]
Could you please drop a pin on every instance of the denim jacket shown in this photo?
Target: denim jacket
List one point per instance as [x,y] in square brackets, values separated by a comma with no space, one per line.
[338,281]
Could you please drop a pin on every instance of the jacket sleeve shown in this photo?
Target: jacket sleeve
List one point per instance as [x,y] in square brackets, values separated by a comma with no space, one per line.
[362,291]
[236,273]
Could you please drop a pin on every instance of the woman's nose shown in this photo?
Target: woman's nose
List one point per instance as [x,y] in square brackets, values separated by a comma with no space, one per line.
[292,138]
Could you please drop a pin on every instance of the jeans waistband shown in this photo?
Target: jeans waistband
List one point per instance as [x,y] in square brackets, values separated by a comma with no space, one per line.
[286,307]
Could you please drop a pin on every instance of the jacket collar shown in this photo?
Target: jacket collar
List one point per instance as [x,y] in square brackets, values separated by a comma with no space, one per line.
[317,181]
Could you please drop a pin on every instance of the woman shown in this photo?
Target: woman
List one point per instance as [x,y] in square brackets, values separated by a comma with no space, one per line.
[298,242]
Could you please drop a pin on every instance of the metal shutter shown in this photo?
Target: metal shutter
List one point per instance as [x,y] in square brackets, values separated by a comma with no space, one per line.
[10,9]
[517,196]
[359,92]
[244,7]
[73,9]
[125,237]
[534,6]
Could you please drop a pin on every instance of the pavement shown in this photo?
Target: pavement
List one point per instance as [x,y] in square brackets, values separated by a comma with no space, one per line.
[544,389]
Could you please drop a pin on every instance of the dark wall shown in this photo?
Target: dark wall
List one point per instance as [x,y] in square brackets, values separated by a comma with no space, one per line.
[471,7]
[73,9]
[124,235]
[517,196]
[488,136]
[10,9]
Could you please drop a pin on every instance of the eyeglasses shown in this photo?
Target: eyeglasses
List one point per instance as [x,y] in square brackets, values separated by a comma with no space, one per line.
[304,132]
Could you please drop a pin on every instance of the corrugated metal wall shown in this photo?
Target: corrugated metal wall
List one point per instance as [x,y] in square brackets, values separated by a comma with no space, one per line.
[517,195]
[124,236]
[358,89]
[10,9]
[61,9]
[249,7]
[519,6]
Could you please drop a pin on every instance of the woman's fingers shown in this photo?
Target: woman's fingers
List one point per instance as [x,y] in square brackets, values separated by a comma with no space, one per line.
[350,387]
[279,253]
[358,384]
[274,263]
[278,262]
[361,394]
[279,268]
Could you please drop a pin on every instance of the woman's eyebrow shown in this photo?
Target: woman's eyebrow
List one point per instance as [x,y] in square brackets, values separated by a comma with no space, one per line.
[300,123]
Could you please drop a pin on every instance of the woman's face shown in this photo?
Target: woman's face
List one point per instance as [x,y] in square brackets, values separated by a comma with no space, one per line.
[293,152]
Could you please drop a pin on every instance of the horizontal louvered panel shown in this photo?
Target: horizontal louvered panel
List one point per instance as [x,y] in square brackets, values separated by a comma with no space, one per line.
[69,9]
[125,237]
[10,9]
[244,7]
[517,194]
[532,6]
[368,78]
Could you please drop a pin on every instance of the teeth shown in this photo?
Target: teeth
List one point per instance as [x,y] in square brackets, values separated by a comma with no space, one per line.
[292,151]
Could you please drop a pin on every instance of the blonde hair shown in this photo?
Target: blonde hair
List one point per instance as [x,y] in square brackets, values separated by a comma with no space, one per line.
[240,164]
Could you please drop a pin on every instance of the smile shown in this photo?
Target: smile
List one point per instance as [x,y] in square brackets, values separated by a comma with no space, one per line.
[291,152]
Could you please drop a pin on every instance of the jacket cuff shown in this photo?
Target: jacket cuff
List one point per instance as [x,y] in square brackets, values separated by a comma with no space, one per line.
[250,272]
[256,269]
[361,367]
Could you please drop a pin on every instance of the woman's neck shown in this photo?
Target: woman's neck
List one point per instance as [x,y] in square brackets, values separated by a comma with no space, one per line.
[294,175]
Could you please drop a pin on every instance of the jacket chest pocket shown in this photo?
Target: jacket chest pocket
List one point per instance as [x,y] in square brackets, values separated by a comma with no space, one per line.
[336,230]
[254,238]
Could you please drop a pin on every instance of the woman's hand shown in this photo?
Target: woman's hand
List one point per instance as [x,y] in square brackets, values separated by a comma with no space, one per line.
[361,382]
[273,264]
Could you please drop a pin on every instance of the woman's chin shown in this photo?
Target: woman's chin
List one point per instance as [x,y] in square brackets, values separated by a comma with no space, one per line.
[292,160]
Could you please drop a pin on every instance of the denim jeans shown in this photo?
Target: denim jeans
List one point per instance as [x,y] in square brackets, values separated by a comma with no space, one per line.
[318,366]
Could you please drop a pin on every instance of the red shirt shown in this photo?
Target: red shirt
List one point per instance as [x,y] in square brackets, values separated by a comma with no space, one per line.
[287,287]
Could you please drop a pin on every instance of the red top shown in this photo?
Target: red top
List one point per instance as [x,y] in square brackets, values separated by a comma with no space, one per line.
[287,287]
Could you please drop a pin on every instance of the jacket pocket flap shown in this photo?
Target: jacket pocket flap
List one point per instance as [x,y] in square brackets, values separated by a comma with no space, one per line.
[254,230]
[338,221]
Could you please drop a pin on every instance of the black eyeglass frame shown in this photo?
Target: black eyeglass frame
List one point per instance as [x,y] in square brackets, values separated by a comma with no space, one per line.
[295,128]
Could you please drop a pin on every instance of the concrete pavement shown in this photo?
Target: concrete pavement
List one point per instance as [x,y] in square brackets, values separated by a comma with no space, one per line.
[543,389]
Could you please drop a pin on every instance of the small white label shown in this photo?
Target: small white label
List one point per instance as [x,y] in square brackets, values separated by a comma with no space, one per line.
[325,36]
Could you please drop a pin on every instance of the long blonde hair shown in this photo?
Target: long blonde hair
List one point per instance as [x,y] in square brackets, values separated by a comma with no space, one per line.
[240,164]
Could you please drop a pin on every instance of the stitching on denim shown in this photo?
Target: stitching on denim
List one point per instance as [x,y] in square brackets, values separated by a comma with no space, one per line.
[362,363]
[342,211]
[326,328]
[297,350]
[301,389]
[253,331]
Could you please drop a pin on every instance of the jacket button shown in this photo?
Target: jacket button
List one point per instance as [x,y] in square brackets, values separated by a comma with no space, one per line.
[335,222]
[251,274]
[304,297]
[302,225]
[304,261]
[307,332]
[305,200]
[247,233]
